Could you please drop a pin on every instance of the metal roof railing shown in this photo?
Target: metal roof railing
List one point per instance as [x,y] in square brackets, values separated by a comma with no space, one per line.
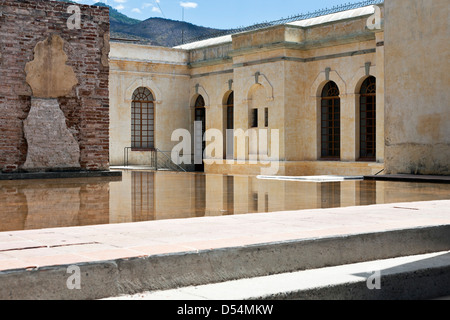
[309,15]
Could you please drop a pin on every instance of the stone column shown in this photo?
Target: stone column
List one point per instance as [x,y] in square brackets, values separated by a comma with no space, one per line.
[348,127]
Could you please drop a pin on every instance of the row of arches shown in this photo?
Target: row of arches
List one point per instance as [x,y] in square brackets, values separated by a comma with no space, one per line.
[200,116]
[330,115]
[143,120]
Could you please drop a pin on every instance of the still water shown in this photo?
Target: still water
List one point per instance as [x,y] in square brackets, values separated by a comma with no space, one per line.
[148,196]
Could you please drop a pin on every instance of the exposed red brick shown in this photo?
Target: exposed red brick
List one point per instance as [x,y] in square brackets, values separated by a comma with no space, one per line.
[22,25]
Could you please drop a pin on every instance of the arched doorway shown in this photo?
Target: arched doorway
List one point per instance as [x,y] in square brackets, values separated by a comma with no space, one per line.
[368,120]
[330,122]
[200,117]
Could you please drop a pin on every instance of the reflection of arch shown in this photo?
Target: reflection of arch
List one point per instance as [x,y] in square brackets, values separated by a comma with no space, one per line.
[146,83]
[143,196]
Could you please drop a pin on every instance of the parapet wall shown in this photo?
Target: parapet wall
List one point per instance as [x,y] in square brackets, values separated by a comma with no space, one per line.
[23,25]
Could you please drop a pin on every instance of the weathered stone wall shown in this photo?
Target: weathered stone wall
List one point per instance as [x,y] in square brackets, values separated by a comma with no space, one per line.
[416,84]
[281,68]
[25,23]
[164,72]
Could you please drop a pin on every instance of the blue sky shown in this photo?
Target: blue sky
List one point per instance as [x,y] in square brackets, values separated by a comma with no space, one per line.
[220,14]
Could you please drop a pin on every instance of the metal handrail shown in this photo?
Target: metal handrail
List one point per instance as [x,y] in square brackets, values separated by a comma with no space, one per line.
[169,159]
[154,159]
[125,155]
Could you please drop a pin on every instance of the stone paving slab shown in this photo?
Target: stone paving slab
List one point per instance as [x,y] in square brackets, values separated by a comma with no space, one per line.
[40,248]
[135,257]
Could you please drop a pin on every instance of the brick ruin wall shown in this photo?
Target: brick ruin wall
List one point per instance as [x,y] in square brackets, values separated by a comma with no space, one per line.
[24,23]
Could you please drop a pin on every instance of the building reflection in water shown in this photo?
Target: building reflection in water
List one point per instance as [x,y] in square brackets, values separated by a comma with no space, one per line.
[330,195]
[38,204]
[148,196]
[143,196]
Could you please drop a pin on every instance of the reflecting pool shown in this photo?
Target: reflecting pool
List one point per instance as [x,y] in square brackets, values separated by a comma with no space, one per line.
[146,196]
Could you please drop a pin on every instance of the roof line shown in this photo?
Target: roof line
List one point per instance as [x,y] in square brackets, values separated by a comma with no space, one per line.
[299,17]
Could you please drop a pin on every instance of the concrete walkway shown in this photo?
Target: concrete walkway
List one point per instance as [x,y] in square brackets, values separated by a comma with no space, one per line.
[135,257]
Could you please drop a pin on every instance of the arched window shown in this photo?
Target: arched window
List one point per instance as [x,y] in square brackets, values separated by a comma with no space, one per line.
[200,111]
[368,120]
[143,119]
[331,122]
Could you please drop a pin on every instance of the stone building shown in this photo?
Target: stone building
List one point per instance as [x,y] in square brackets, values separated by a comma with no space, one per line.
[319,82]
[325,94]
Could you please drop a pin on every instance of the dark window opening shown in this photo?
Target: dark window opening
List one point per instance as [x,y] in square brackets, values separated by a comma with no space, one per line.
[266,117]
[229,136]
[254,118]
[230,111]
[330,122]
[368,120]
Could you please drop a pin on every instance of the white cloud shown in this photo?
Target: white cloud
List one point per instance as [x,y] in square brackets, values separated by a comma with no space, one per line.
[137,10]
[191,5]
[155,9]
[120,1]
[119,7]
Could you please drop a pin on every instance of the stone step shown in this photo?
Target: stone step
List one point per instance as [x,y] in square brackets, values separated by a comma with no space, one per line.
[168,271]
[404,278]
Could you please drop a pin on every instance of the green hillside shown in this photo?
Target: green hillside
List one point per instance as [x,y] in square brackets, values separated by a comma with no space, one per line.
[153,31]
